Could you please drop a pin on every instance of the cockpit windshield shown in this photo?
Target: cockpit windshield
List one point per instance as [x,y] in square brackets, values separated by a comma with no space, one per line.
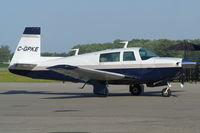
[146,54]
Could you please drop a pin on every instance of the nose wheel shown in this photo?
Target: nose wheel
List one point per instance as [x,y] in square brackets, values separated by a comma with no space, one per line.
[166,92]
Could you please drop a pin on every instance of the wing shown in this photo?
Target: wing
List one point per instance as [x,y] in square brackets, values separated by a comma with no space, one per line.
[87,74]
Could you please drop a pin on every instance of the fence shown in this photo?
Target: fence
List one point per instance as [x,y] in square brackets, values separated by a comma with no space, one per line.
[192,74]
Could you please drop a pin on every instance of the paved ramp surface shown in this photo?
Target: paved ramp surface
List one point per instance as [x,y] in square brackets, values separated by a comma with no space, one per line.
[64,108]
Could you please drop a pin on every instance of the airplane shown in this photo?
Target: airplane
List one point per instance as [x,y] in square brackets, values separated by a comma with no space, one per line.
[133,66]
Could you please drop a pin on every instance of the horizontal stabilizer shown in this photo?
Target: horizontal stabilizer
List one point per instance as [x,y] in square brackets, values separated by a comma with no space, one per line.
[20,66]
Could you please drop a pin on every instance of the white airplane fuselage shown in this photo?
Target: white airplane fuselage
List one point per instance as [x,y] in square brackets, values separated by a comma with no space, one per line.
[150,70]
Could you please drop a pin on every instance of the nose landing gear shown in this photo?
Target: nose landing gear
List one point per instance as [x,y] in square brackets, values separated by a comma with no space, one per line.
[166,92]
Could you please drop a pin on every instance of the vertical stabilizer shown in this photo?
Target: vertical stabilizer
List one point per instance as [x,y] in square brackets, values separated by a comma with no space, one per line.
[28,49]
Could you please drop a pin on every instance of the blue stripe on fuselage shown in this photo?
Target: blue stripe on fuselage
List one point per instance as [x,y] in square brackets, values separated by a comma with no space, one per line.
[144,75]
[147,74]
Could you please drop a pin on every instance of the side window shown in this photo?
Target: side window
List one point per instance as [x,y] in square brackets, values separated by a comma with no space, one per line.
[110,57]
[128,56]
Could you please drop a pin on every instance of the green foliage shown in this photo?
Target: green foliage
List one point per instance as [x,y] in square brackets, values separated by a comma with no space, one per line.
[156,46]
[54,54]
[4,54]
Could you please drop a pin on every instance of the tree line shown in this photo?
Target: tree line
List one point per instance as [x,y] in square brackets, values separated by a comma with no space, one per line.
[156,46]
[5,54]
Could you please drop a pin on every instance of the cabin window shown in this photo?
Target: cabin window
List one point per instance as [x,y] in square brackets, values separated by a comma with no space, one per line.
[128,56]
[146,54]
[110,57]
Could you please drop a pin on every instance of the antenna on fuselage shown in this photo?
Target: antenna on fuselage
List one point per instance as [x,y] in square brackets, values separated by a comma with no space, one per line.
[125,43]
[76,51]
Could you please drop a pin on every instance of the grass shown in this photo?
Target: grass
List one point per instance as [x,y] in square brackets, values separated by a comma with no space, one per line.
[6,76]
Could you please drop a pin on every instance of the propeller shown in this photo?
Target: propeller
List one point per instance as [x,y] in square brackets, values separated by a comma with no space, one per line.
[186,64]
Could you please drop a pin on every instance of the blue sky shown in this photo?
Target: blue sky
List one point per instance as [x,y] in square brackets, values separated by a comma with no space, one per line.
[65,23]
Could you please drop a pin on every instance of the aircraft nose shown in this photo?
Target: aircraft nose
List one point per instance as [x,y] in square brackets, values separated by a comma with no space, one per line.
[188,63]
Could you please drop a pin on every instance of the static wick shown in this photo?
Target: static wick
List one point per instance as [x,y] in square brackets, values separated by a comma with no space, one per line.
[125,43]
[76,51]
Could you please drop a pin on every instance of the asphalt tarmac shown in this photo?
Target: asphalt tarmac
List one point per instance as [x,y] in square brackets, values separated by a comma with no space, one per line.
[64,108]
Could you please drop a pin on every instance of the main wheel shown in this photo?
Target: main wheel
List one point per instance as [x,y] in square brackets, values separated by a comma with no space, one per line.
[103,95]
[166,93]
[136,89]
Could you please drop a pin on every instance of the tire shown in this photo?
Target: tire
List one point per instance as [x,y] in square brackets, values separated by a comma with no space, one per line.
[166,94]
[136,90]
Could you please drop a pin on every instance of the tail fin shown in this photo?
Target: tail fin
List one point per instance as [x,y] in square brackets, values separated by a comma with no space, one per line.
[28,49]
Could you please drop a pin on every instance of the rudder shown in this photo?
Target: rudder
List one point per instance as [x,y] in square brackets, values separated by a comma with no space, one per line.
[28,49]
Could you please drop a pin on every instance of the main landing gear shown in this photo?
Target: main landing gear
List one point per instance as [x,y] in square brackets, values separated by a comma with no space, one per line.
[166,92]
[100,88]
[136,89]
